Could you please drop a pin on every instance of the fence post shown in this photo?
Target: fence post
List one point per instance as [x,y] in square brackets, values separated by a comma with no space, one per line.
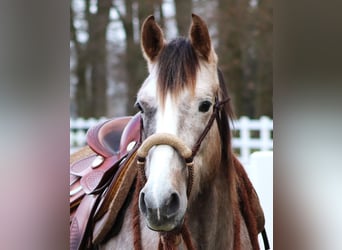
[265,134]
[260,172]
[244,138]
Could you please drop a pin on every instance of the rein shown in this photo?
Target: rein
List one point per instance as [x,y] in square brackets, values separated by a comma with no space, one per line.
[171,239]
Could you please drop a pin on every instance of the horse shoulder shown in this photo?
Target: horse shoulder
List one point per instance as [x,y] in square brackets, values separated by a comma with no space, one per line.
[244,236]
[125,238]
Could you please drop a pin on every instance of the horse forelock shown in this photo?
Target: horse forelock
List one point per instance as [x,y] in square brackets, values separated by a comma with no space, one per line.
[177,68]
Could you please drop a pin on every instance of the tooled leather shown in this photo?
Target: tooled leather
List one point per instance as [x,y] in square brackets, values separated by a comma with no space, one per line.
[75,197]
[92,178]
[95,177]
[74,234]
[81,206]
[114,199]
[80,221]
[73,179]
[82,167]
[91,181]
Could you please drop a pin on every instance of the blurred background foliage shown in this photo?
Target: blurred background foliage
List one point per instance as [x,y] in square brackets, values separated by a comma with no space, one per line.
[107,67]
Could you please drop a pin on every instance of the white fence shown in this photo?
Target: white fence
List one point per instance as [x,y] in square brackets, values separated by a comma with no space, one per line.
[78,131]
[248,135]
[252,135]
[260,172]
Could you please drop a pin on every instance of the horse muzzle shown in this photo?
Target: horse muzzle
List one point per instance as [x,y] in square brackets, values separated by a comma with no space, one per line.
[164,217]
[161,201]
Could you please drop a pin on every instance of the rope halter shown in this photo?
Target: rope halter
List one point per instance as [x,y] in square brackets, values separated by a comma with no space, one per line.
[165,139]
[188,155]
[184,151]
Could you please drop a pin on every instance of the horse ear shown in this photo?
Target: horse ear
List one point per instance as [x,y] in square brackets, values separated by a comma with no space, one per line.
[152,38]
[199,37]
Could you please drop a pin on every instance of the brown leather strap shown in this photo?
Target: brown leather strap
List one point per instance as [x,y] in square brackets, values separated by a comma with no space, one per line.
[95,178]
[114,199]
[80,221]
[217,106]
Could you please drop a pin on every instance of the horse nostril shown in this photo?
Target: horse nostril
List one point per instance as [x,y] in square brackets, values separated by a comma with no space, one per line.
[166,210]
[142,203]
[172,205]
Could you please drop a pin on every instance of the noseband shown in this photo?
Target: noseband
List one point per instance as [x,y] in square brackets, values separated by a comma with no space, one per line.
[183,150]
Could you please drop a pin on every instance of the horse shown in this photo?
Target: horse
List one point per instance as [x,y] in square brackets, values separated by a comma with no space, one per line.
[189,191]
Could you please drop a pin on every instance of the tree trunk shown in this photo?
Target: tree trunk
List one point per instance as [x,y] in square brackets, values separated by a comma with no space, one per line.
[183,16]
[264,53]
[81,96]
[136,69]
[230,24]
[91,93]
[97,58]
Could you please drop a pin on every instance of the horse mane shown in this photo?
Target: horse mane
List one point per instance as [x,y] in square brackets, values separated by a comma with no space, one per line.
[177,67]
[226,115]
[231,167]
[227,159]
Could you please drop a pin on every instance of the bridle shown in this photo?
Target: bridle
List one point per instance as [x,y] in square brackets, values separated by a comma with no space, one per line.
[184,151]
[168,240]
[173,238]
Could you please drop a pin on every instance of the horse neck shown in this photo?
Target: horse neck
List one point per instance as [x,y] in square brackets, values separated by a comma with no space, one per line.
[211,213]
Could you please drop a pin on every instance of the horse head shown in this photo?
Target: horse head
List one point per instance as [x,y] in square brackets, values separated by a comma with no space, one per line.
[178,99]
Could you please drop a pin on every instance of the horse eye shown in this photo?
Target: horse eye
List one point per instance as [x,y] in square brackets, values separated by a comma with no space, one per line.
[138,106]
[204,106]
